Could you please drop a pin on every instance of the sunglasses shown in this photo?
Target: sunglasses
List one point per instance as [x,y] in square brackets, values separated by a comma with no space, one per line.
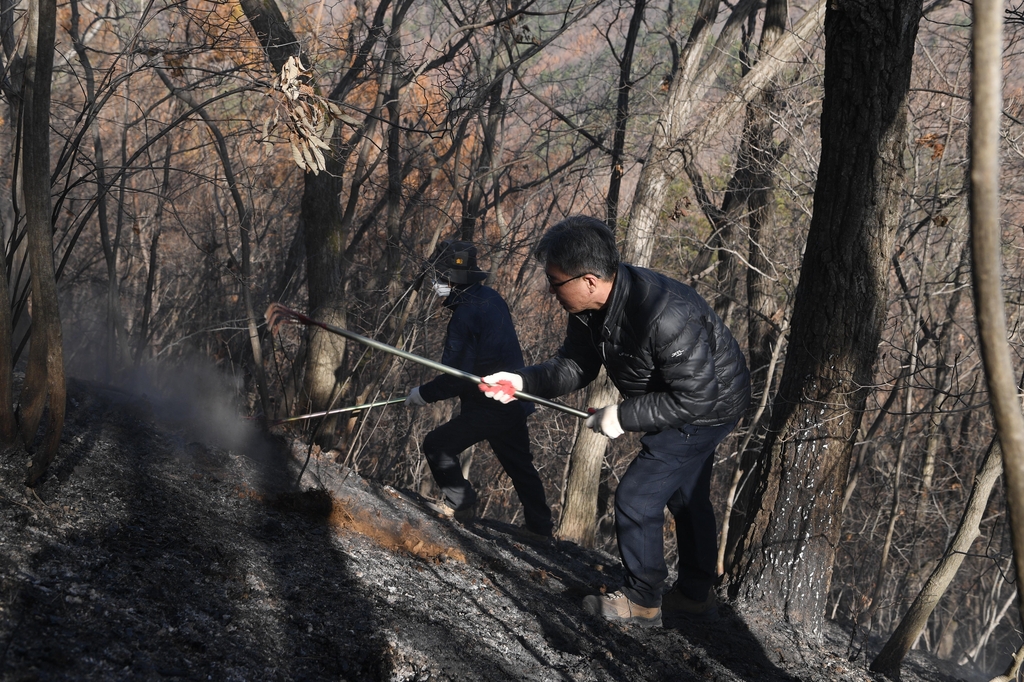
[555,285]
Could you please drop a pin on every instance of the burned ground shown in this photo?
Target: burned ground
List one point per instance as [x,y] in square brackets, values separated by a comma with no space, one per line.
[151,553]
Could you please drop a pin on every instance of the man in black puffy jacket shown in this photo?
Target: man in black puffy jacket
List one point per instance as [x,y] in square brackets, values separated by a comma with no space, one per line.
[480,340]
[685,385]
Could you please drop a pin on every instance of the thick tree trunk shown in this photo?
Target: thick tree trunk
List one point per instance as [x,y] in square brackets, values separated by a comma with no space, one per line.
[788,541]
[325,239]
[44,379]
[321,221]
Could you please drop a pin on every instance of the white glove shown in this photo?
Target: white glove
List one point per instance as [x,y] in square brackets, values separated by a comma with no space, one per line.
[414,399]
[606,422]
[501,386]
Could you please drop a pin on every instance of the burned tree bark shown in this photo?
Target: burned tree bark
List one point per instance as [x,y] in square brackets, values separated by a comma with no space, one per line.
[787,542]
[45,389]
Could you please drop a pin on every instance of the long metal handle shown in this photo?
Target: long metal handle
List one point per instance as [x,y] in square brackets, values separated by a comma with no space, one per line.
[340,410]
[278,313]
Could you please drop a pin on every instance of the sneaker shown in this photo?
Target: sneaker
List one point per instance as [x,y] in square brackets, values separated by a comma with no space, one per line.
[444,508]
[677,605]
[618,608]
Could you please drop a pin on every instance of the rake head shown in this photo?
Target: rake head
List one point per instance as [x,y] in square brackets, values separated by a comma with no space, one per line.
[278,314]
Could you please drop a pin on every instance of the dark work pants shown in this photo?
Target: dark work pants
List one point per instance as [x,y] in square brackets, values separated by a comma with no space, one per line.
[505,430]
[673,469]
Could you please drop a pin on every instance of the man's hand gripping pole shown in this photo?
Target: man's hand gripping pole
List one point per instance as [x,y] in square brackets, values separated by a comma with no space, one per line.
[278,314]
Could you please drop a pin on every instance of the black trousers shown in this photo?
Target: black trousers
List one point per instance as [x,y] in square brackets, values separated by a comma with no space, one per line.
[673,469]
[506,432]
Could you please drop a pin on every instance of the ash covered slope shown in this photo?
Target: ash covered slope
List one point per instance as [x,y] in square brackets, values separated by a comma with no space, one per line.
[147,554]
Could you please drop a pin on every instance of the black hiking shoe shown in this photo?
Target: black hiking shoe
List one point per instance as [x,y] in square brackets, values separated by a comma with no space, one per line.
[675,604]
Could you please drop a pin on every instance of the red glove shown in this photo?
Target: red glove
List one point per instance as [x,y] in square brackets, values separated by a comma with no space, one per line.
[501,386]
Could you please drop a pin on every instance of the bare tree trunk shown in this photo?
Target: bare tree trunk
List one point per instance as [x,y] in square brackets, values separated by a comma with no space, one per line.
[752,185]
[788,541]
[767,68]
[663,158]
[321,218]
[110,355]
[44,379]
[763,156]
[913,622]
[622,113]
[245,229]
[986,244]
[663,164]
[8,424]
[578,520]
[393,108]
[142,327]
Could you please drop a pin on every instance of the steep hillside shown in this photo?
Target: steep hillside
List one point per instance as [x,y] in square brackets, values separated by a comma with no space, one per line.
[154,551]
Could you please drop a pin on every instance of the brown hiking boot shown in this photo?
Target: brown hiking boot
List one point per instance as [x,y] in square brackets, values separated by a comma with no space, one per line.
[444,508]
[618,608]
[675,604]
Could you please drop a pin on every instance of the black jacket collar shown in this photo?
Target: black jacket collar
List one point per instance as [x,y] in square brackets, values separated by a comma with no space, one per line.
[460,292]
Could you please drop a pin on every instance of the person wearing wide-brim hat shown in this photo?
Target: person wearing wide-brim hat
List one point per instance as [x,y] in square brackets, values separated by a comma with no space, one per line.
[480,339]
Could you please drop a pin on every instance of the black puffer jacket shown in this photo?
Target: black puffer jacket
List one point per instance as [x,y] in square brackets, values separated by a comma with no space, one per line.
[672,358]
[481,340]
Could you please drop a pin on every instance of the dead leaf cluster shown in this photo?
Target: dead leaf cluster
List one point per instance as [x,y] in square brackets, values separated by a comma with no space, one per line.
[310,121]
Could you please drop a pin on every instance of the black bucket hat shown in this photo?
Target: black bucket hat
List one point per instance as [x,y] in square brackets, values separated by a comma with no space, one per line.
[455,261]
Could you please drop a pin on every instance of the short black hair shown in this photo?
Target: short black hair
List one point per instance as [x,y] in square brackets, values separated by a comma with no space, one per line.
[579,245]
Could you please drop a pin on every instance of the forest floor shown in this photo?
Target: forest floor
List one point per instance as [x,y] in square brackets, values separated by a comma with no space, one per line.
[153,551]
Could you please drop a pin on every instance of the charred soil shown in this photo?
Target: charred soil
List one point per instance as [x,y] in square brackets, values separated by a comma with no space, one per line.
[148,553]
